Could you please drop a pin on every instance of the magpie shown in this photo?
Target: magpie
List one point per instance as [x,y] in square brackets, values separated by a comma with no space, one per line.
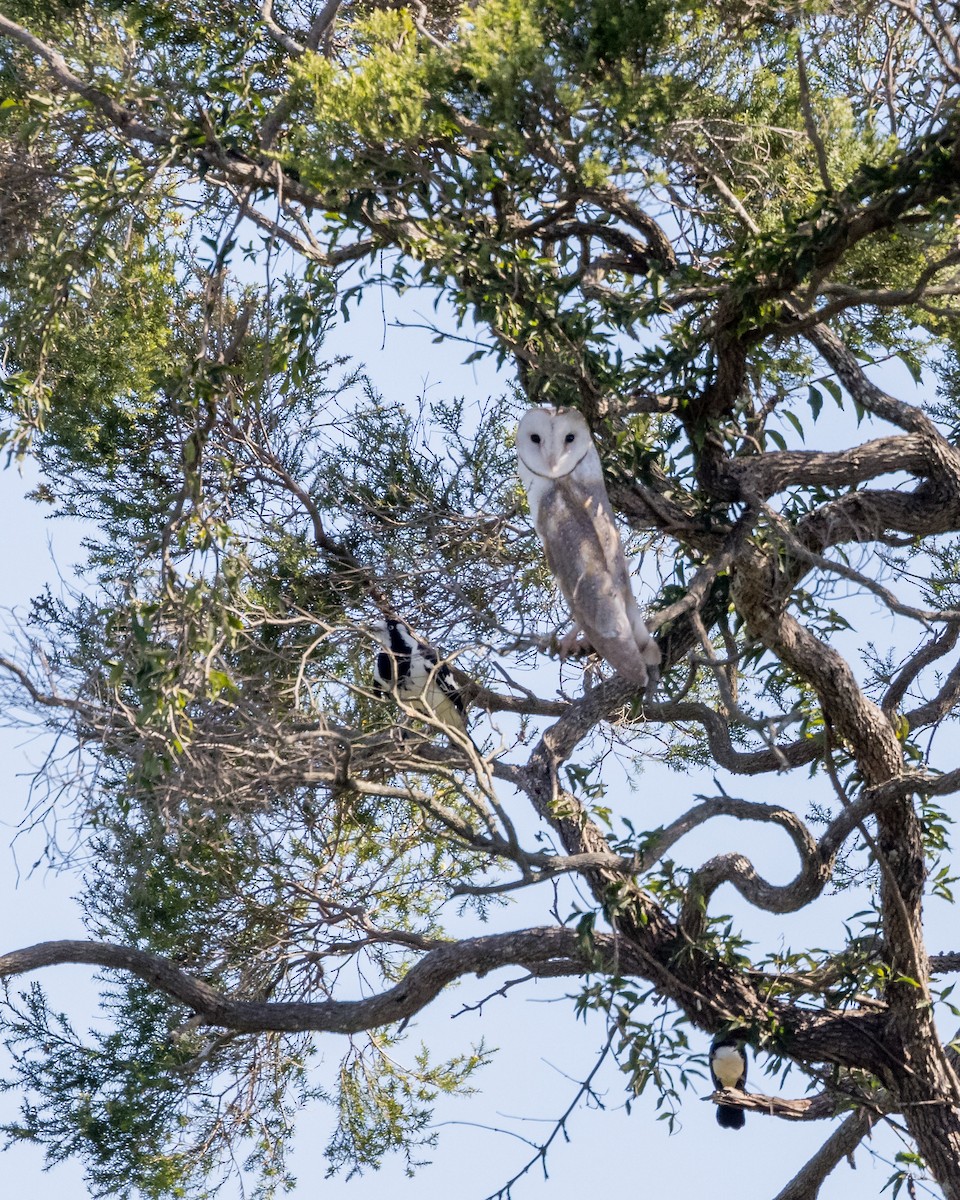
[410,670]
[728,1066]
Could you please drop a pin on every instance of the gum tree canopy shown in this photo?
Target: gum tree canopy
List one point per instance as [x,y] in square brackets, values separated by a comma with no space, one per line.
[727,234]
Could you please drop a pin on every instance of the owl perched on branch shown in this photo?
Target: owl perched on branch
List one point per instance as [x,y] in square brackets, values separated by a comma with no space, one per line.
[561,472]
[410,670]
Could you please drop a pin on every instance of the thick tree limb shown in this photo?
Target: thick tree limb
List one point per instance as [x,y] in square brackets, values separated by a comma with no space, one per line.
[768,474]
[553,948]
[943,964]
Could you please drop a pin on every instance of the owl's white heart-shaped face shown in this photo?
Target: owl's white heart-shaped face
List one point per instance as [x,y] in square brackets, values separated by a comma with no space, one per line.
[553,442]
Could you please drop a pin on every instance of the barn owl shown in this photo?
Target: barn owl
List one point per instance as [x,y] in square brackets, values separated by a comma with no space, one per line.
[411,670]
[561,472]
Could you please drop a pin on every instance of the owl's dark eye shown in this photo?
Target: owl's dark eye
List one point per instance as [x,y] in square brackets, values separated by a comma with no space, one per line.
[535,438]
[569,438]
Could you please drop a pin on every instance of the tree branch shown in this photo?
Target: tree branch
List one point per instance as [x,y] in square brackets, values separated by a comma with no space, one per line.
[124,119]
[806,1184]
[550,947]
[768,474]
[928,654]
[820,1107]
[810,120]
[874,399]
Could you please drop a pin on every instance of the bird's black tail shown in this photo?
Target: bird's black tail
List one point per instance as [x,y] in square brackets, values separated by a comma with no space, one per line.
[730,1117]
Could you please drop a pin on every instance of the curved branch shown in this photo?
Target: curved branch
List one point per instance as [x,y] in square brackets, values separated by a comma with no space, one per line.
[816,860]
[942,703]
[616,202]
[614,695]
[279,35]
[551,947]
[936,648]
[735,868]
[765,475]
[717,731]
[740,810]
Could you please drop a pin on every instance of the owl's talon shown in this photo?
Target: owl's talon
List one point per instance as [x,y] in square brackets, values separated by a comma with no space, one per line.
[572,644]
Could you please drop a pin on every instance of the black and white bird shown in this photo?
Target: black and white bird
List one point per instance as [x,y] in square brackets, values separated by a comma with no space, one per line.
[411,671]
[728,1066]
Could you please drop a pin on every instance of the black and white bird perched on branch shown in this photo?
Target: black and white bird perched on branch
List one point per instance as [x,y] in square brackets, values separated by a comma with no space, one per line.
[410,670]
[728,1066]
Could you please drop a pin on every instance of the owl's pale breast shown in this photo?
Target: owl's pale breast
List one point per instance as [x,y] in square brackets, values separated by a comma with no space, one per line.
[566,528]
